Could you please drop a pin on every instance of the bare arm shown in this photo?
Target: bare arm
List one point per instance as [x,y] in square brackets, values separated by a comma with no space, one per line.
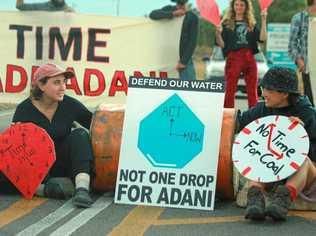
[218,37]
[263,31]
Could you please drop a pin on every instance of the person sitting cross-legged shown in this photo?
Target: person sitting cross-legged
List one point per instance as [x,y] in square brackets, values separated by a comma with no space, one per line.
[281,97]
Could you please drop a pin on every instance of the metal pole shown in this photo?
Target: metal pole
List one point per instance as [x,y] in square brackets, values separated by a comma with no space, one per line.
[117,7]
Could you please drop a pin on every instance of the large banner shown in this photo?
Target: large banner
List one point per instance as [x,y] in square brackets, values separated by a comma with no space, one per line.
[103,52]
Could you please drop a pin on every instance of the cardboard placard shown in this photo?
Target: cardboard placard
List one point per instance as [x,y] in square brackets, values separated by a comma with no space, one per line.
[26,155]
[270,149]
[264,4]
[170,143]
[209,11]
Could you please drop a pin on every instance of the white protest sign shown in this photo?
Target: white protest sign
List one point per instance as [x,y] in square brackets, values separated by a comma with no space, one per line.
[270,149]
[170,143]
[277,45]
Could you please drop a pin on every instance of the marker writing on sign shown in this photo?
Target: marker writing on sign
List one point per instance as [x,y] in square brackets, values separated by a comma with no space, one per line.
[266,130]
[266,159]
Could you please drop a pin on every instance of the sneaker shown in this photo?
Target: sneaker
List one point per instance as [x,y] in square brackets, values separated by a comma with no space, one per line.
[279,205]
[82,198]
[255,204]
[59,188]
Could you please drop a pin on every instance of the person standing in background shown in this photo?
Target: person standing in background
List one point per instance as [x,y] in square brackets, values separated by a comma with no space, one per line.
[238,36]
[52,5]
[188,38]
[298,45]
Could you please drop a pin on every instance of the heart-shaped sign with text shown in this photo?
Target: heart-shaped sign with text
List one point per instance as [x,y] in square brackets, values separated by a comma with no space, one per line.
[26,155]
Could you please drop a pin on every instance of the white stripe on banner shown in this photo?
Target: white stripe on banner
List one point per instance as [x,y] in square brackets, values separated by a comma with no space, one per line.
[48,221]
[82,218]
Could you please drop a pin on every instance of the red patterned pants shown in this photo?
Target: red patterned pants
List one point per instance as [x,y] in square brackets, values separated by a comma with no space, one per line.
[237,62]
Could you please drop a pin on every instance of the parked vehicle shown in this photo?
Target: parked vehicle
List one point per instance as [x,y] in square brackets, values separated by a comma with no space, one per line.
[215,66]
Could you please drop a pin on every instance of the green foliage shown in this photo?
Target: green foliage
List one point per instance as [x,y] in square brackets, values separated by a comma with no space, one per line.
[281,11]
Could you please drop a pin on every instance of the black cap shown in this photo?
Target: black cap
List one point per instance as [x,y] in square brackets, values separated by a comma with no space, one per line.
[180,1]
[280,79]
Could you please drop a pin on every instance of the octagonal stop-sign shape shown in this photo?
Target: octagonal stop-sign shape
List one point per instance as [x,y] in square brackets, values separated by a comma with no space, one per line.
[171,135]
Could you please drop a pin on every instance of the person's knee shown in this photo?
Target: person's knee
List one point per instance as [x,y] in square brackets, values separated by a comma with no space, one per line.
[256,184]
[307,163]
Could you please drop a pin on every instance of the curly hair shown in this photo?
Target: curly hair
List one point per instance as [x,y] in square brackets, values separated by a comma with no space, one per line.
[230,16]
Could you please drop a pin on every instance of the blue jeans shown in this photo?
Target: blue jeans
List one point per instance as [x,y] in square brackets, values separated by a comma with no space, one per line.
[188,73]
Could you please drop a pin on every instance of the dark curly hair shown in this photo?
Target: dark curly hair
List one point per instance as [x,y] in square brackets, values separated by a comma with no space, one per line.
[36,93]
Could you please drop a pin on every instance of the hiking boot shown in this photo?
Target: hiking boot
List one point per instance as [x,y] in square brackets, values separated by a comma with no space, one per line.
[59,188]
[279,205]
[255,204]
[82,198]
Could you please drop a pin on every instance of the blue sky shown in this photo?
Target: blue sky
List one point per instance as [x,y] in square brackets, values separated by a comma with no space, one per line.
[108,7]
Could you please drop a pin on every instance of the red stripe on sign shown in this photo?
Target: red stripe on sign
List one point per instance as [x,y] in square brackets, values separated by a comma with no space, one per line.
[305,136]
[294,165]
[236,142]
[293,125]
[276,118]
[246,131]
[246,171]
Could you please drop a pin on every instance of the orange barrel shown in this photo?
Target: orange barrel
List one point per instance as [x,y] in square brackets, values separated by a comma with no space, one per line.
[224,185]
[106,131]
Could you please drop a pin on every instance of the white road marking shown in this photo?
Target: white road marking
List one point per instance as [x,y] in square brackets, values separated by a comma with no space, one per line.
[48,221]
[82,218]
[6,113]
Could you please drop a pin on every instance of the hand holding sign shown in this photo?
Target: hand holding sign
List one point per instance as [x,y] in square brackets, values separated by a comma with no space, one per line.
[264,4]
[209,11]
[26,154]
[270,149]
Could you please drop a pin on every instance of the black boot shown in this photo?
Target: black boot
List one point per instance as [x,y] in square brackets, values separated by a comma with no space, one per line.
[255,204]
[82,198]
[279,205]
[59,188]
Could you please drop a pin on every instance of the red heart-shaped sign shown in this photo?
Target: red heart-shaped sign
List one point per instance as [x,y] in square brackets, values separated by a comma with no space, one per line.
[26,155]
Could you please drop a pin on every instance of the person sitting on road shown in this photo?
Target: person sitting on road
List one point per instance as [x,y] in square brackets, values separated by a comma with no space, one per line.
[281,97]
[49,108]
[52,5]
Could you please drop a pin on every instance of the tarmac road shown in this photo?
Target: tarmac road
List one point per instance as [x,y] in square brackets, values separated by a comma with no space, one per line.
[41,216]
